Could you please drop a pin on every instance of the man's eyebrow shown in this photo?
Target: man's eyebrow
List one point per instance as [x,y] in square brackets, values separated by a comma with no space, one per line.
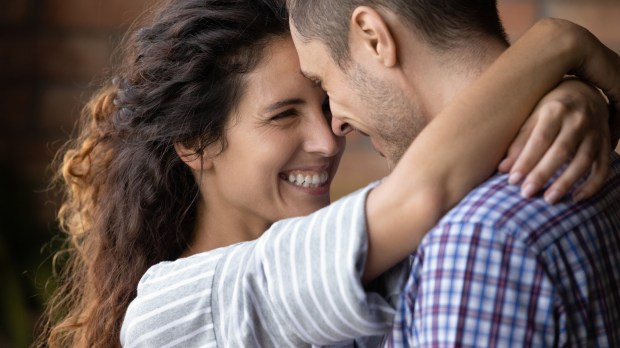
[282,103]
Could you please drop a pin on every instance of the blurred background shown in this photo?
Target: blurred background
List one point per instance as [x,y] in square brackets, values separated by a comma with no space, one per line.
[52,55]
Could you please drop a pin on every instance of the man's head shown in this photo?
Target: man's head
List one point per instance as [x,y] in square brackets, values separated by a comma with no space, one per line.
[444,24]
[380,61]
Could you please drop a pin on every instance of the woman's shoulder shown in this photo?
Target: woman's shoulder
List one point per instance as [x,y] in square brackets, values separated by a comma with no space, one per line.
[171,290]
[170,272]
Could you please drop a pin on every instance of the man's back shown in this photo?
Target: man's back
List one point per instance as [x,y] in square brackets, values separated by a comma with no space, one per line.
[501,270]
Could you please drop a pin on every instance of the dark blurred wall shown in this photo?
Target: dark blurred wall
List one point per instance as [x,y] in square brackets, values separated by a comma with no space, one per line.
[53,53]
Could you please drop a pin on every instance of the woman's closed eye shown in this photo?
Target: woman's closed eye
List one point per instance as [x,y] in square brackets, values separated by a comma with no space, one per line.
[285,115]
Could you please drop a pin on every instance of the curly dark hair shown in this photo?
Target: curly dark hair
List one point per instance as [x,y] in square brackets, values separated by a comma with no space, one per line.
[130,201]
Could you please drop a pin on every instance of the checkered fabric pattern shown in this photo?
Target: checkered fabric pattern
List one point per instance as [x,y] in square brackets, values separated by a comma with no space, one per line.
[503,271]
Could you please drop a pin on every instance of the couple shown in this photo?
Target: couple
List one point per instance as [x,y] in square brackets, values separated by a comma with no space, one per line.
[210,135]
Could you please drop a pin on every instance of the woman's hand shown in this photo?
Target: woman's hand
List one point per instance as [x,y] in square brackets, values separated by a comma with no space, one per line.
[569,125]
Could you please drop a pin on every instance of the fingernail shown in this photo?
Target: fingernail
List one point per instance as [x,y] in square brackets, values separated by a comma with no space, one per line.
[553,197]
[578,197]
[528,190]
[515,178]
[502,164]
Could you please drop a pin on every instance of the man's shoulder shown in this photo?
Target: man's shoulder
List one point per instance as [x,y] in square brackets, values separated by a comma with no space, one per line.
[497,205]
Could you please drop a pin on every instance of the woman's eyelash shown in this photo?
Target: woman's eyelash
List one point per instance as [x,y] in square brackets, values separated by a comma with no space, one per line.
[284,114]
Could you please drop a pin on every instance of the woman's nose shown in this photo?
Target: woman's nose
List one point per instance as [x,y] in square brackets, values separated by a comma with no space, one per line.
[320,139]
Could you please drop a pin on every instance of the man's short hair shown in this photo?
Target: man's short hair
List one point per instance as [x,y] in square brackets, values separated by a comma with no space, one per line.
[443,24]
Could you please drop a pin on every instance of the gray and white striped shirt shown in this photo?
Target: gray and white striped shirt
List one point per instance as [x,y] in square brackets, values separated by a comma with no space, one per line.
[299,284]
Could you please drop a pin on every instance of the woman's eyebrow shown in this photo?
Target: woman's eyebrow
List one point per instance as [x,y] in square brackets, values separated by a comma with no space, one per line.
[282,103]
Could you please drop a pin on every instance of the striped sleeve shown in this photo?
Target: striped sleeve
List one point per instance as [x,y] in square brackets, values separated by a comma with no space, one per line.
[300,283]
[173,306]
[297,285]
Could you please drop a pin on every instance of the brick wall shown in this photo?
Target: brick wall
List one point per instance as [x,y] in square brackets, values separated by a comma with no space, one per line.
[52,52]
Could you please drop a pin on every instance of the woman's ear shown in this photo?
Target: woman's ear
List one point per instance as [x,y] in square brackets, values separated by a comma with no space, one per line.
[195,160]
[370,32]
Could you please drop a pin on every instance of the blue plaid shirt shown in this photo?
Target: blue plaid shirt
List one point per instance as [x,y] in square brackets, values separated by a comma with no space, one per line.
[503,271]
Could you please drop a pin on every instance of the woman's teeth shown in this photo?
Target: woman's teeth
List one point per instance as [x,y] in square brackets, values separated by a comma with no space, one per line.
[307,180]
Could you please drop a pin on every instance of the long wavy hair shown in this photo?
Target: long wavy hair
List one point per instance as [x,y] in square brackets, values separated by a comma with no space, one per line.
[129,200]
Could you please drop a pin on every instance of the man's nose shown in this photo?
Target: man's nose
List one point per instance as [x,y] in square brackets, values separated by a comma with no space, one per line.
[340,127]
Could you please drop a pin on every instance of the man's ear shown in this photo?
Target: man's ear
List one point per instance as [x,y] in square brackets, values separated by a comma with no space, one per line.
[370,32]
[195,160]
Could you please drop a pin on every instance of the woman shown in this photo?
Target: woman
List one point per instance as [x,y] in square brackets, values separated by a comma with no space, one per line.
[206,138]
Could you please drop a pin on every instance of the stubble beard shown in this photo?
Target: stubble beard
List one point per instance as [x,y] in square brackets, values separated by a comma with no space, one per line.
[394,117]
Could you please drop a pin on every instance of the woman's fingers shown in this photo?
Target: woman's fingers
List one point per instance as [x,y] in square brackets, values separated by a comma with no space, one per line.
[593,156]
[563,148]
[547,123]
[568,128]
[596,180]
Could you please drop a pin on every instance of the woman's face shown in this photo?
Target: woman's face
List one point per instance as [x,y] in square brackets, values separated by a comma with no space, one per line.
[281,154]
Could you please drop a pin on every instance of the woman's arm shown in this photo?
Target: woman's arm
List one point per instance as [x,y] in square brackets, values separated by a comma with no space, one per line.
[462,146]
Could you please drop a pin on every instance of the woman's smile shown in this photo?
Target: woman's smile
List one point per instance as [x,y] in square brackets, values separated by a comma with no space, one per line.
[316,182]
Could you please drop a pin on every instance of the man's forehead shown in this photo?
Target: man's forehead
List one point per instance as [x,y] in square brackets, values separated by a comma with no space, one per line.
[309,59]
[316,79]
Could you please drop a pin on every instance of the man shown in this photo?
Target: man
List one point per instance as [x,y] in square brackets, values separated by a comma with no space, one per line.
[502,268]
